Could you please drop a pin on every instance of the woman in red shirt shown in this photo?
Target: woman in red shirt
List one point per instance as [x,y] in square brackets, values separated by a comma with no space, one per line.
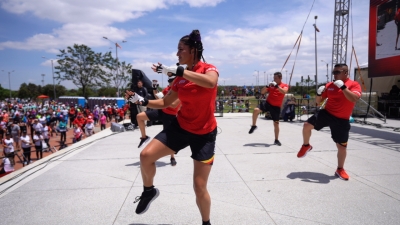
[195,126]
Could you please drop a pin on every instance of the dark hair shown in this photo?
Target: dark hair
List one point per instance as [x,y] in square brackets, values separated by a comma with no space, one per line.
[193,40]
[279,74]
[341,65]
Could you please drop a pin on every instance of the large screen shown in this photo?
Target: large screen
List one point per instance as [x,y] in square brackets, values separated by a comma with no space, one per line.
[384,40]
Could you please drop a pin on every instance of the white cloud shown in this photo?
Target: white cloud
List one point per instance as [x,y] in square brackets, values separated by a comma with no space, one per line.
[102,12]
[69,34]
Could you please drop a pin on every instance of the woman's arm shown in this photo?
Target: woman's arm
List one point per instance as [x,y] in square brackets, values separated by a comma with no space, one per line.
[158,103]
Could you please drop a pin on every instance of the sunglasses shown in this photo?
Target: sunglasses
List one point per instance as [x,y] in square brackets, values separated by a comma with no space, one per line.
[336,72]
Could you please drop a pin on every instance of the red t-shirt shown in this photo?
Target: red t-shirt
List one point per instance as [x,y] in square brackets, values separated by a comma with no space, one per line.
[275,97]
[198,103]
[337,103]
[170,110]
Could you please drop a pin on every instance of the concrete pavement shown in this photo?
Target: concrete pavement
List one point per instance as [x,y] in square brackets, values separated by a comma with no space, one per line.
[252,180]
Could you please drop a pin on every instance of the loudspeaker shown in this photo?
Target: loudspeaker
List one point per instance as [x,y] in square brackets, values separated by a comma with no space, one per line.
[129,126]
[116,127]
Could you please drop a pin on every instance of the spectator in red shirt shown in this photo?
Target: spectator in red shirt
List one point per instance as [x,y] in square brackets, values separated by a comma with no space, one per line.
[195,126]
[276,92]
[341,95]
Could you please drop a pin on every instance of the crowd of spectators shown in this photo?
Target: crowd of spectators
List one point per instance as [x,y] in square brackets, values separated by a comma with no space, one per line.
[24,125]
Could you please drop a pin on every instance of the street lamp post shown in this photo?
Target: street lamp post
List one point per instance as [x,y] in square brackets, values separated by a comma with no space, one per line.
[286,76]
[116,57]
[52,72]
[43,79]
[9,80]
[316,57]
[258,79]
[327,74]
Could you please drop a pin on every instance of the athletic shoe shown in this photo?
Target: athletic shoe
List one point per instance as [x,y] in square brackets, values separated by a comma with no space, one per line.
[143,140]
[303,151]
[173,162]
[252,129]
[341,173]
[277,142]
[145,200]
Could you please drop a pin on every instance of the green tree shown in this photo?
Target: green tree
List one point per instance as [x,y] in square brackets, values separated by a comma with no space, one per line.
[49,90]
[120,75]
[83,67]
[107,92]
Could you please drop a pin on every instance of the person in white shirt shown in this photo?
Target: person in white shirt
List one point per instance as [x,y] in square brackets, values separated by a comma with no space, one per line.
[7,167]
[42,119]
[46,135]
[38,138]
[26,147]
[77,133]
[37,127]
[89,127]
[8,148]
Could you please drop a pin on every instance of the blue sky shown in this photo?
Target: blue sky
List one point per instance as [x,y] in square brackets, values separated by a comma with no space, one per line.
[239,37]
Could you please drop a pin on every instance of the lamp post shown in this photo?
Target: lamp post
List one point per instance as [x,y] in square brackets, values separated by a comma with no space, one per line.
[43,79]
[286,77]
[9,80]
[52,72]
[316,57]
[257,79]
[265,84]
[116,57]
[327,74]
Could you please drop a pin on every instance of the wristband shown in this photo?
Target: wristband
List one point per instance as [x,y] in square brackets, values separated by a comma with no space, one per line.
[145,102]
[179,71]
[343,87]
[318,95]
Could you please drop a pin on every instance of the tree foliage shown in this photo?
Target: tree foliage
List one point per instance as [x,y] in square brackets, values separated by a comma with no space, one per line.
[83,67]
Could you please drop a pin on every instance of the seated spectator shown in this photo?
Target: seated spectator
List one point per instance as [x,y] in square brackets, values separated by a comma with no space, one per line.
[89,127]
[7,167]
[289,110]
[77,133]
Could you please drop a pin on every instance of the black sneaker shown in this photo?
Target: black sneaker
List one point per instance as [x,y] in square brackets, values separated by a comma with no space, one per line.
[145,200]
[143,140]
[173,162]
[277,142]
[252,129]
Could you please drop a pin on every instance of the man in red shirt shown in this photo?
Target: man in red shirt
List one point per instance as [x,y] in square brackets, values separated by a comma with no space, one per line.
[341,96]
[166,115]
[277,91]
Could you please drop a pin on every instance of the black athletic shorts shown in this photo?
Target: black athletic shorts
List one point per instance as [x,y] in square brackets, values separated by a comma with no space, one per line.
[154,115]
[398,28]
[339,127]
[274,111]
[202,145]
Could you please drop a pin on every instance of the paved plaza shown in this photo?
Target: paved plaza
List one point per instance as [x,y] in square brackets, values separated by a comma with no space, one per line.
[252,181]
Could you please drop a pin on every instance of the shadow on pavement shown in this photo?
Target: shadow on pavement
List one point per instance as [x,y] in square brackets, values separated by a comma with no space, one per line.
[257,145]
[158,164]
[312,177]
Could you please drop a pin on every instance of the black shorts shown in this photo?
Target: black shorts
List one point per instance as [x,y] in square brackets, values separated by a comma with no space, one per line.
[398,28]
[202,145]
[339,127]
[154,115]
[274,111]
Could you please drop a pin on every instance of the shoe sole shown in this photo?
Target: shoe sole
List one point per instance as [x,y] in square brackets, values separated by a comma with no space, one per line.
[148,205]
[147,140]
[336,174]
[305,153]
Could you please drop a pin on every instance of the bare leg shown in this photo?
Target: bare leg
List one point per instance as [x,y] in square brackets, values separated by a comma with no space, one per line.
[307,133]
[255,115]
[141,118]
[200,179]
[150,154]
[276,129]
[341,155]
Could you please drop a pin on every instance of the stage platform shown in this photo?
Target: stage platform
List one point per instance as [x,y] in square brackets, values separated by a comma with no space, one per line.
[252,180]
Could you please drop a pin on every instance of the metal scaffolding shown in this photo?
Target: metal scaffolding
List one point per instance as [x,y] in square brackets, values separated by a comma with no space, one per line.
[340,32]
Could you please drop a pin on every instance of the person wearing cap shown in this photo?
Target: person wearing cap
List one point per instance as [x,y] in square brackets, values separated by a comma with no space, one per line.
[37,139]
[8,148]
[166,115]
[26,147]
[89,127]
[77,133]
